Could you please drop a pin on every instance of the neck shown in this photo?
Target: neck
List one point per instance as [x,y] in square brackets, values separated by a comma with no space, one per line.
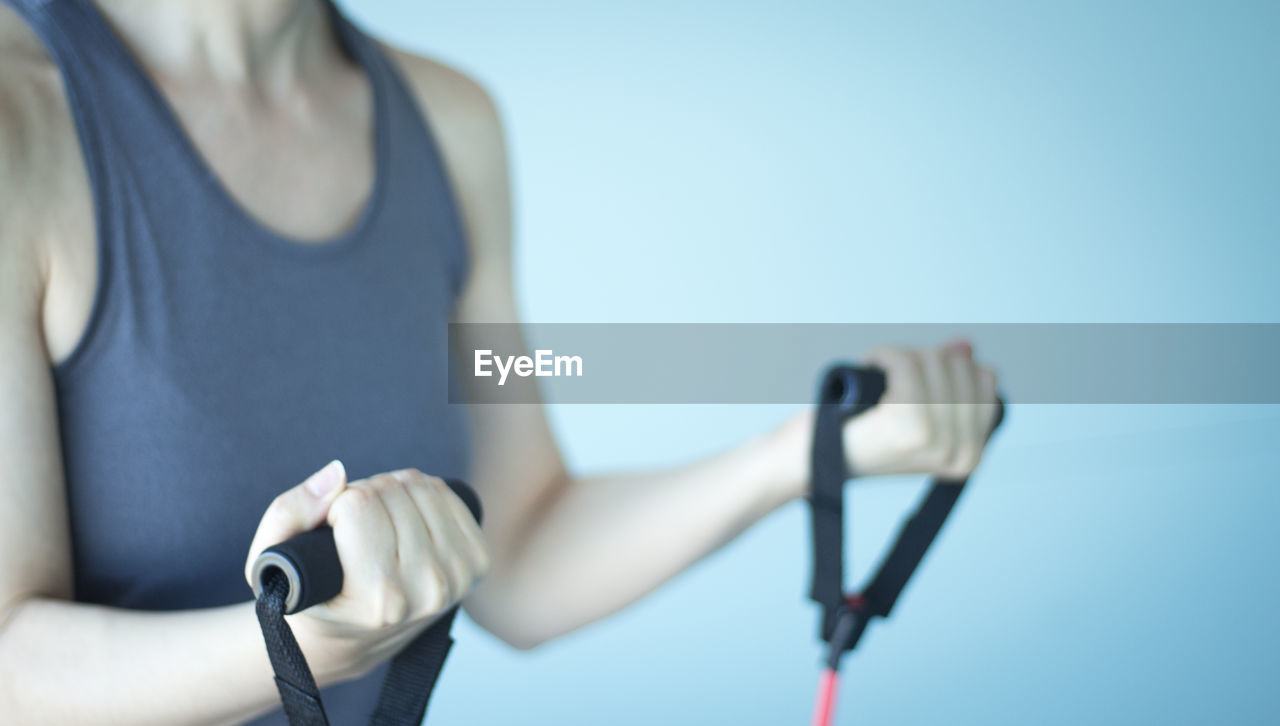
[268,45]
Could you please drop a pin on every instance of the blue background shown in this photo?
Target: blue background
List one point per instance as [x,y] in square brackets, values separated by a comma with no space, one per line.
[924,162]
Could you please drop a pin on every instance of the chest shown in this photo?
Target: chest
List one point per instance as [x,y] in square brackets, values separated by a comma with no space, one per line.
[302,167]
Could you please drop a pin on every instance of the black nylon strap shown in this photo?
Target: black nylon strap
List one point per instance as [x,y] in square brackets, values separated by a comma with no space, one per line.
[298,690]
[913,541]
[847,391]
[412,677]
[826,504]
[405,690]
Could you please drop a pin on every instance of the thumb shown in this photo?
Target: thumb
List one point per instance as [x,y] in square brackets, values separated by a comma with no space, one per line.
[298,510]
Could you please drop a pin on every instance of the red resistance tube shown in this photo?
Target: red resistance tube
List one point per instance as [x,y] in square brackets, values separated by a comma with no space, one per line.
[846,631]
[824,707]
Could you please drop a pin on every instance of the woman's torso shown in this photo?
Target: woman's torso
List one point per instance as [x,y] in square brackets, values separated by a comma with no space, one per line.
[215,342]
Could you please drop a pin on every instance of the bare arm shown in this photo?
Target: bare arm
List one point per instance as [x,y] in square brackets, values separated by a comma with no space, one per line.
[63,662]
[567,550]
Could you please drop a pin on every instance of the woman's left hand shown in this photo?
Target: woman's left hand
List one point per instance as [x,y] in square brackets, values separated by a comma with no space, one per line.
[935,416]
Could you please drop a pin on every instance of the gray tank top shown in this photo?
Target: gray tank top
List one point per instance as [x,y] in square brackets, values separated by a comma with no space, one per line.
[224,363]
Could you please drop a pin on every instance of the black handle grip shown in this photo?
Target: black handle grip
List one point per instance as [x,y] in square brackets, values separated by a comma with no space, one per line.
[856,388]
[310,560]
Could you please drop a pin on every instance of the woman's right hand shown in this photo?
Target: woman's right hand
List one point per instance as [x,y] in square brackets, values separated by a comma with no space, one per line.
[410,551]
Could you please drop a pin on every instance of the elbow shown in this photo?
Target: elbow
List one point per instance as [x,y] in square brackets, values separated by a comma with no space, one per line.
[516,627]
[515,633]
[522,642]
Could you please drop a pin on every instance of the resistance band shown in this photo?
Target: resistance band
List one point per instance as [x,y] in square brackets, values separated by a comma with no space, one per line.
[847,391]
[305,570]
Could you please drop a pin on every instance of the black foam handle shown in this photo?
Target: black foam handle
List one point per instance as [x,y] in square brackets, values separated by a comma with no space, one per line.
[313,557]
[857,388]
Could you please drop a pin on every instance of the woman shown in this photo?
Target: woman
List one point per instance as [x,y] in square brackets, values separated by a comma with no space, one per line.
[231,238]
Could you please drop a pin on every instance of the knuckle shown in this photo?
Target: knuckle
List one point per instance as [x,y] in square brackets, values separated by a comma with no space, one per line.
[460,579]
[435,590]
[482,563]
[412,478]
[278,506]
[384,482]
[964,458]
[387,604]
[408,476]
[351,501]
[394,605]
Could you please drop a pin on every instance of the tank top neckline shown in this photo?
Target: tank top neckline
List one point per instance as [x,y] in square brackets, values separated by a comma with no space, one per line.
[248,224]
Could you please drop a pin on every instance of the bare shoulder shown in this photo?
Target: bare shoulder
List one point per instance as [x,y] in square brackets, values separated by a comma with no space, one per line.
[466,123]
[37,147]
[455,102]
[22,65]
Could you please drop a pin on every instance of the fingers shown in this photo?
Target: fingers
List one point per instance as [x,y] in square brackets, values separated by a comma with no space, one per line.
[366,540]
[406,552]
[470,528]
[903,374]
[450,520]
[935,416]
[409,551]
[970,401]
[987,394]
[942,410]
[414,545]
[964,405]
[907,427]
[418,550]
[298,510]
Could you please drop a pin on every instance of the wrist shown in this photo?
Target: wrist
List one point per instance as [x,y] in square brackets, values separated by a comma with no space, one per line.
[332,656]
[788,455]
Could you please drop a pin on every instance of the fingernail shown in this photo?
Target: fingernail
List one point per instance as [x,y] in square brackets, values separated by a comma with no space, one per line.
[327,480]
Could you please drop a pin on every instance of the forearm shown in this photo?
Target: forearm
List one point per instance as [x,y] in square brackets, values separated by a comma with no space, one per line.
[600,543]
[64,662]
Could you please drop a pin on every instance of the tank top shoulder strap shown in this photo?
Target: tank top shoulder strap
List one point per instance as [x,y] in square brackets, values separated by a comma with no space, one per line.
[112,99]
[112,102]
[80,41]
[417,167]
